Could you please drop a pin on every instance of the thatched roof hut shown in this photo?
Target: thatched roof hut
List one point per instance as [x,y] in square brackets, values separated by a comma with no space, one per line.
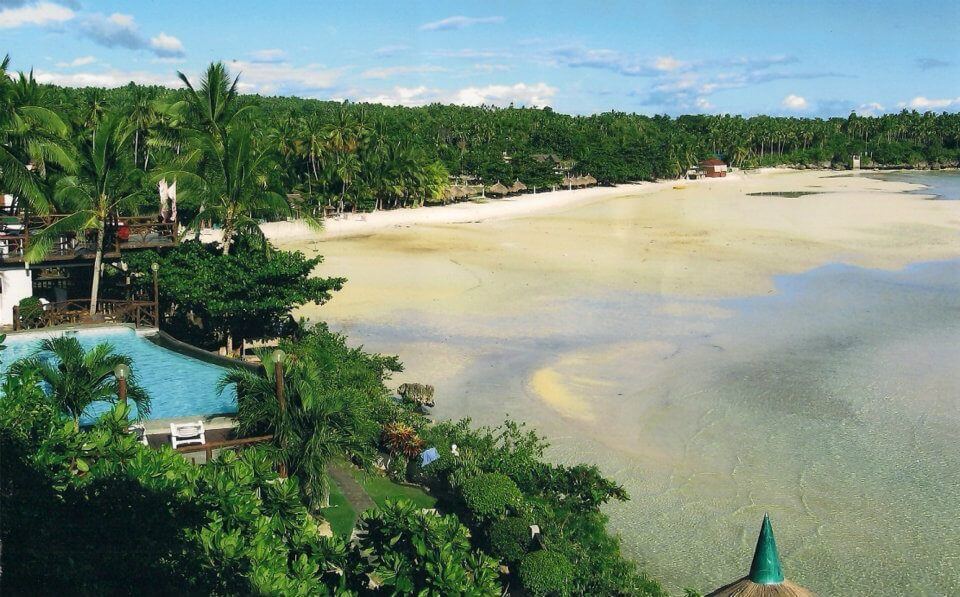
[517,187]
[766,575]
[498,189]
[590,180]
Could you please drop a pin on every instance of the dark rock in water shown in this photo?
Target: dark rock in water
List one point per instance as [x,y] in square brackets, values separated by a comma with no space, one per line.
[417,393]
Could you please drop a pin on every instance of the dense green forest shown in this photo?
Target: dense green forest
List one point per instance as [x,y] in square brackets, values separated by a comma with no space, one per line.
[368,156]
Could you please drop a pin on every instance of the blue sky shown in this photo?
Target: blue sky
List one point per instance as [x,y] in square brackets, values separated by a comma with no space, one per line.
[806,58]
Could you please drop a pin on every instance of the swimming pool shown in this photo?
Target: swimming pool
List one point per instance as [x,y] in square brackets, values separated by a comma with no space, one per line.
[178,385]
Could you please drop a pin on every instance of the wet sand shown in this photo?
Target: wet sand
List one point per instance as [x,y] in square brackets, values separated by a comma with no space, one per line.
[704,348]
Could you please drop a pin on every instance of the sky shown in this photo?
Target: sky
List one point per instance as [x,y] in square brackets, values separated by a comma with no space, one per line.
[804,58]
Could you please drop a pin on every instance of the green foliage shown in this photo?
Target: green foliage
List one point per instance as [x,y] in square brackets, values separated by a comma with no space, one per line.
[426,554]
[490,496]
[335,405]
[75,379]
[249,293]
[579,487]
[30,310]
[509,538]
[123,513]
[546,573]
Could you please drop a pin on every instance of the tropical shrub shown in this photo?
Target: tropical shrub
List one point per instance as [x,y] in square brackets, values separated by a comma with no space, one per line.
[490,496]
[546,572]
[417,552]
[509,538]
[402,439]
[29,309]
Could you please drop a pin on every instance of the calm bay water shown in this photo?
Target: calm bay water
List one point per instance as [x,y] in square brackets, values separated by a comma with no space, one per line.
[832,405]
[831,402]
[944,184]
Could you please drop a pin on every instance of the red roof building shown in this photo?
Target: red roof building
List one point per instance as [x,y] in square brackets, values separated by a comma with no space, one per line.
[713,168]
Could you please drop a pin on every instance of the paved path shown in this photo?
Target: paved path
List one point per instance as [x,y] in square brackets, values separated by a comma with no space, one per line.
[353,491]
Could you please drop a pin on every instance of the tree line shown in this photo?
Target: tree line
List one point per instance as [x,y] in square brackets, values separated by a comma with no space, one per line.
[305,155]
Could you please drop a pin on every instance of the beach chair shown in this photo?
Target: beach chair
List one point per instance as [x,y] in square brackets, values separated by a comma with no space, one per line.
[187,433]
[140,432]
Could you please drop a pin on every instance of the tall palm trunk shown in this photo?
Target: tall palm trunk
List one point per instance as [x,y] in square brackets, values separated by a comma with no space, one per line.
[228,224]
[97,262]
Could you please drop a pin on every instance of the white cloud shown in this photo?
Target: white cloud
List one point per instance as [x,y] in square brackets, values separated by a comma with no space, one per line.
[392,71]
[107,78]
[702,104]
[489,68]
[167,45]
[924,103]
[42,13]
[81,61]
[121,30]
[390,50]
[459,22]
[668,63]
[536,94]
[268,55]
[870,109]
[276,78]
[795,102]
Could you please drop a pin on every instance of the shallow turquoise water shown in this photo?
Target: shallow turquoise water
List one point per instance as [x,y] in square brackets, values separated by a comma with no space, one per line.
[178,385]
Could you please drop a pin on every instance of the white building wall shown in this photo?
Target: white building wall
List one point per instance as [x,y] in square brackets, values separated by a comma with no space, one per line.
[15,285]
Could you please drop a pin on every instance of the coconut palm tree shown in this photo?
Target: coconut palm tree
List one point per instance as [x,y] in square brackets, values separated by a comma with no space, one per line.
[75,379]
[225,166]
[102,186]
[31,138]
[318,424]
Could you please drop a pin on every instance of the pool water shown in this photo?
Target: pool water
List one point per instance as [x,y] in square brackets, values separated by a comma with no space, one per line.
[178,385]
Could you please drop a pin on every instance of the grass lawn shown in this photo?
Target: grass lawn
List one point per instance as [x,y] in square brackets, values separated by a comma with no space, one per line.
[381,488]
[340,515]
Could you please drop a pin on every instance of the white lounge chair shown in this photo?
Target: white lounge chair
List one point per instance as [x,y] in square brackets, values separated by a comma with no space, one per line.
[140,432]
[187,433]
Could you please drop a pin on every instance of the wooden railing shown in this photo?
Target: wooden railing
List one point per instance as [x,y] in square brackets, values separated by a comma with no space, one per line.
[120,233]
[227,444]
[77,312]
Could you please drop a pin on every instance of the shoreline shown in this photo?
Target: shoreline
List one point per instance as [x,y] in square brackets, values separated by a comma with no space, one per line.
[471,212]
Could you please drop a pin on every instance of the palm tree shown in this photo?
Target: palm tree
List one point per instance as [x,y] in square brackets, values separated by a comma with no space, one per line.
[75,379]
[31,137]
[101,186]
[232,175]
[320,422]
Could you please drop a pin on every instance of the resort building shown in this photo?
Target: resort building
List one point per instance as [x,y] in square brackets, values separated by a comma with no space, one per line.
[766,575]
[65,274]
[713,168]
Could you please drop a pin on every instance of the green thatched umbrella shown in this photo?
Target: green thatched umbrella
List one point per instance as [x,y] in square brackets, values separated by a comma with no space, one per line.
[766,575]
[498,189]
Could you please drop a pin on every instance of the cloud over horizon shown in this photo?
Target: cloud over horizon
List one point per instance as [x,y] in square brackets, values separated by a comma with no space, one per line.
[459,22]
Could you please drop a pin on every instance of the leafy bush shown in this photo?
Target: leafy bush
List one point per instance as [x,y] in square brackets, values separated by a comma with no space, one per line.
[509,538]
[29,309]
[546,573]
[489,496]
[423,553]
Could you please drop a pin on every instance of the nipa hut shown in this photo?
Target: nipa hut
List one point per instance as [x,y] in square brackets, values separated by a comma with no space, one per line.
[498,189]
[590,180]
[518,187]
[766,575]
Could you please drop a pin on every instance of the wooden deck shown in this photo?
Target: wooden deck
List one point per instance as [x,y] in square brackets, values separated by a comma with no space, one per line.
[131,232]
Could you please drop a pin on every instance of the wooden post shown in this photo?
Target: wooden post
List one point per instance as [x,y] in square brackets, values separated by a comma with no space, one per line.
[122,389]
[16,318]
[278,379]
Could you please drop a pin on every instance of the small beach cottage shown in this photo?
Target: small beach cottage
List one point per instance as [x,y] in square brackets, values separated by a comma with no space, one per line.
[713,168]
[766,575]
